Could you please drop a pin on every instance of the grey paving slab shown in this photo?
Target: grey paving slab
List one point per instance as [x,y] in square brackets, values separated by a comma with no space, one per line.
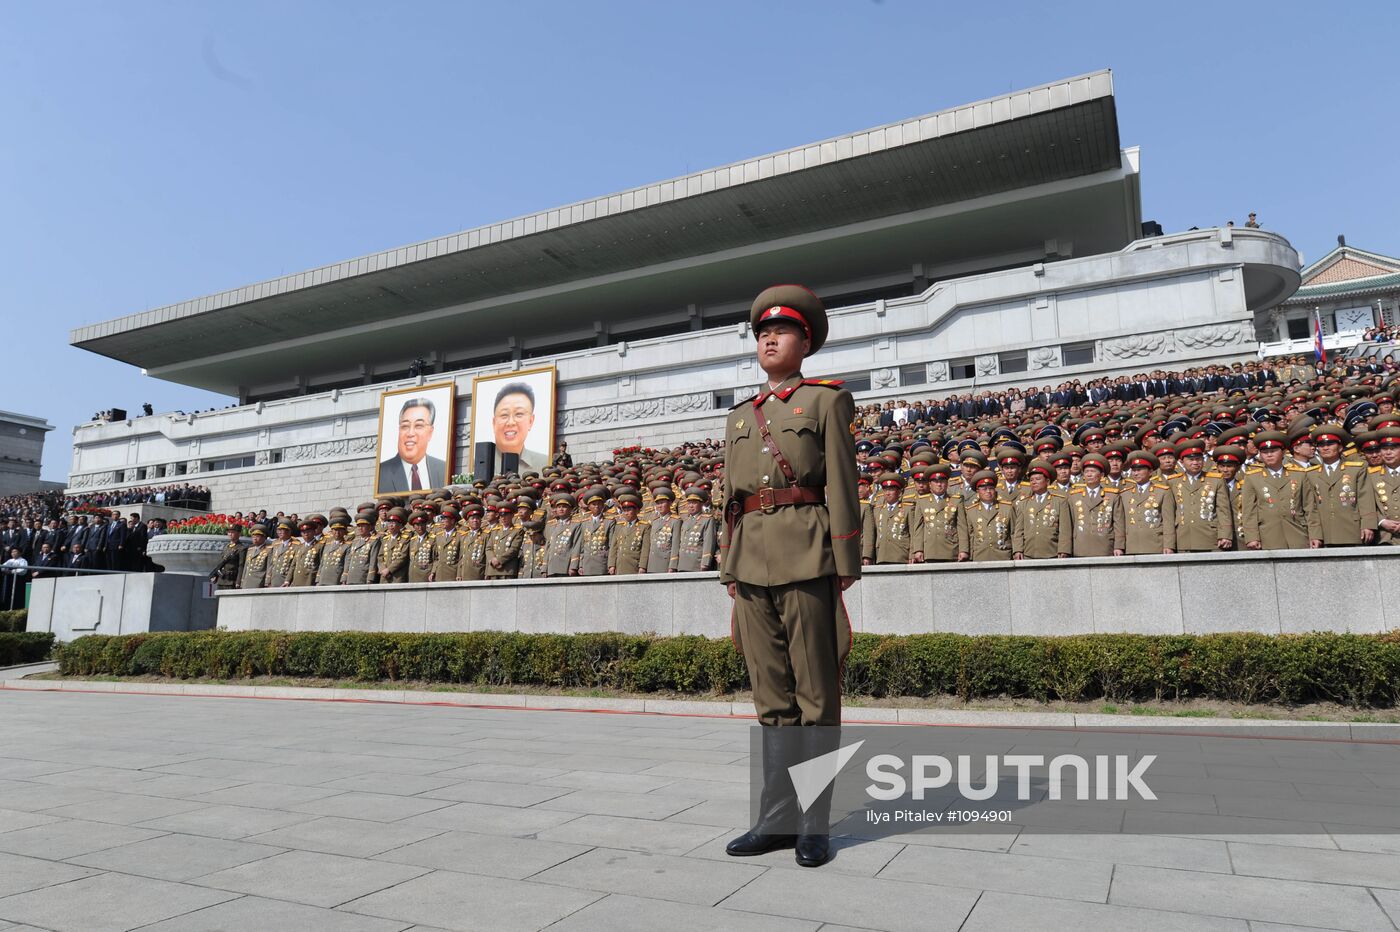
[632,805]
[491,820]
[1390,902]
[310,877]
[497,794]
[228,821]
[855,901]
[20,874]
[997,912]
[856,856]
[70,838]
[125,809]
[468,903]
[376,807]
[266,795]
[39,797]
[619,913]
[22,768]
[1346,867]
[350,837]
[612,782]
[175,857]
[108,779]
[730,813]
[1316,904]
[11,819]
[394,784]
[492,855]
[107,903]
[1010,873]
[257,913]
[633,834]
[658,876]
[1146,850]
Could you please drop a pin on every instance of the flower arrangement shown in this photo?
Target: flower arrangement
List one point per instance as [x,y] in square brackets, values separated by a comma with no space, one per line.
[214,525]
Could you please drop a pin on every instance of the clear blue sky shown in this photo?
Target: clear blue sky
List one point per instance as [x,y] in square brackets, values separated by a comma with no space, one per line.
[152,152]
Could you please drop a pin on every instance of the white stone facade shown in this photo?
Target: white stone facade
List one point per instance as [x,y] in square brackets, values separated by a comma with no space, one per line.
[1167,302]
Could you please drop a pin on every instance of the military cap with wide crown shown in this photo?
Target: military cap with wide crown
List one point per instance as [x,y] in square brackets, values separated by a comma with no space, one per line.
[795,303]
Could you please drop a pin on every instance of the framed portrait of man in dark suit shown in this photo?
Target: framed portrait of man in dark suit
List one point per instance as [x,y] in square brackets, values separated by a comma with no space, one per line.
[512,427]
[415,438]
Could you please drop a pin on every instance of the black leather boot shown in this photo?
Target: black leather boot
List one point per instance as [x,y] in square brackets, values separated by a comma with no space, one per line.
[814,826]
[777,808]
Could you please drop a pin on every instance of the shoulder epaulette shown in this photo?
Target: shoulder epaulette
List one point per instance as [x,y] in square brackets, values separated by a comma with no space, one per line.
[824,383]
[1353,462]
[1376,469]
[1253,470]
[1077,487]
[746,401]
[1311,467]
[1107,488]
[1214,475]
[1161,486]
[1055,493]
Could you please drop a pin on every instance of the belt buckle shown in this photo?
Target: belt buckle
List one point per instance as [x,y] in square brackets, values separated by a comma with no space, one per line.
[766,501]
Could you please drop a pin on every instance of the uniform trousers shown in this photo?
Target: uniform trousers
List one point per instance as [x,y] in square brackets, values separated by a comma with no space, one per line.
[794,638]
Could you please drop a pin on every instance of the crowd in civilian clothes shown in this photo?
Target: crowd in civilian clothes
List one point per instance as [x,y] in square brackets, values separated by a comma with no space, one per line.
[194,497]
[83,541]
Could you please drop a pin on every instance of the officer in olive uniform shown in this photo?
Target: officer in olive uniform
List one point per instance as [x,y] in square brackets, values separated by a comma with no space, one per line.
[333,553]
[789,548]
[472,565]
[631,538]
[307,561]
[362,556]
[1149,507]
[534,553]
[663,550]
[595,534]
[230,568]
[1042,525]
[1271,498]
[1229,461]
[420,548]
[447,548]
[697,537]
[562,536]
[942,525]
[255,560]
[1385,481]
[1204,518]
[991,522]
[279,561]
[1340,502]
[393,549]
[1095,512]
[896,525]
[503,543]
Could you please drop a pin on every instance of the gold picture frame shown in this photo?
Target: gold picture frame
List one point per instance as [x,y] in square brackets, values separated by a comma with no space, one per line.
[542,380]
[442,396]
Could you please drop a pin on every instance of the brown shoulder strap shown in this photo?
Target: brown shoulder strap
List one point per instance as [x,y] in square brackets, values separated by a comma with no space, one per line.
[783,464]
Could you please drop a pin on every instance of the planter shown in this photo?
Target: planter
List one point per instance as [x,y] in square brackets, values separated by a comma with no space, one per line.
[188,554]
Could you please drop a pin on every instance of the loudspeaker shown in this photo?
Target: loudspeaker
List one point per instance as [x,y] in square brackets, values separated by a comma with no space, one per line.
[485,456]
[510,463]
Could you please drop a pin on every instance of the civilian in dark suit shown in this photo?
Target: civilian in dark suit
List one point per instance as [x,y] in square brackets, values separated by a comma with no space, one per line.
[136,542]
[47,557]
[96,546]
[117,534]
[78,558]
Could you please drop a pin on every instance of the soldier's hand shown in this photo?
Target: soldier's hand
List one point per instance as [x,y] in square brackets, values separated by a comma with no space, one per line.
[962,556]
[918,557]
[1168,550]
[866,561]
[1018,556]
[729,588]
[1253,545]
[1117,553]
[1367,535]
[1314,544]
[432,577]
[287,584]
[1224,544]
[846,582]
[612,571]
[573,572]
[641,569]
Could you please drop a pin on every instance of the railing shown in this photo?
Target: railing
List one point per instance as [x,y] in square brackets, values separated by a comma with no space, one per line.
[1330,341]
[11,579]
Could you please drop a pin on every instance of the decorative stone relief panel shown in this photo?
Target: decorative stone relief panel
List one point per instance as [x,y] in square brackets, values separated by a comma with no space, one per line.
[884,378]
[641,410]
[1215,335]
[1130,347]
[988,366]
[1047,357]
[680,404]
[936,372]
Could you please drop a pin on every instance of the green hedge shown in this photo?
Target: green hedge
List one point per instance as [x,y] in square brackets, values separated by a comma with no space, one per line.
[13,620]
[24,647]
[1352,669]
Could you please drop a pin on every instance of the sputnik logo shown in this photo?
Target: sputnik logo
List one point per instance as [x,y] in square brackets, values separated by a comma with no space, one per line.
[811,777]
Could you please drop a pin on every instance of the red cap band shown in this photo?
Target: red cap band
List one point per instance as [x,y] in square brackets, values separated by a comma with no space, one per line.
[779,312]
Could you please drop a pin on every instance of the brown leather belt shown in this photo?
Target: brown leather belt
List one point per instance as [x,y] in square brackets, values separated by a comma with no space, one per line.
[769,500]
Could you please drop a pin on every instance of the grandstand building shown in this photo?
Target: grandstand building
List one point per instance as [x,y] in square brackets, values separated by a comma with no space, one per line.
[22,454]
[993,244]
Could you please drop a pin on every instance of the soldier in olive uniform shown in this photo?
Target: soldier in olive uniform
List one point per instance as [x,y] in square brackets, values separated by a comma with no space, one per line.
[1149,507]
[942,525]
[255,560]
[631,538]
[1095,512]
[1204,519]
[362,556]
[1385,481]
[663,550]
[279,561]
[991,522]
[595,534]
[447,548]
[697,537]
[1229,460]
[333,553]
[472,566]
[1338,497]
[1011,465]
[393,549]
[562,535]
[1042,526]
[308,557]
[896,526]
[1271,498]
[790,548]
[420,548]
[230,568]
[534,553]
[503,543]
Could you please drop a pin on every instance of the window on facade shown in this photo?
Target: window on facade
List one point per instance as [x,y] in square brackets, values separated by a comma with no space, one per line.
[180,469]
[232,462]
[913,375]
[1299,328]
[1013,362]
[724,401]
[962,369]
[855,381]
[1077,354]
[275,456]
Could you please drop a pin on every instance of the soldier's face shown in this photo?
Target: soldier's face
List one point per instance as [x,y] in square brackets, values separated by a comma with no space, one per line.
[1390,455]
[781,348]
[1168,462]
[363,530]
[939,486]
[987,493]
[693,508]
[1272,457]
[415,431]
[474,522]
[1141,474]
[1193,463]
[1329,450]
[1039,482]
[663,507]
[1092,475]
[512,421]
[338,533]
[891,495]
[1062,472]
[1228,470]
[1304,449]
[561,512]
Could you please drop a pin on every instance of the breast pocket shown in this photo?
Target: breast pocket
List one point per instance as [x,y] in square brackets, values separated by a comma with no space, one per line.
[799,424]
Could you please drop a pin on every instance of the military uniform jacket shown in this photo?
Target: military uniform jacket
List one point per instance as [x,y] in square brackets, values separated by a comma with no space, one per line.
[307,563]
[472,564]
[393,557]
[1042,527]
[332,568]
[942,530]
[503,545]
[1271,507]
[630,543]
[595,545]
[279,562]
[896,527]
[1385,485]
[1236,492]
[361,558]
[1098,525]
[663,549]
[1340,504]
[562,538]
[420,557]
[447,556]
[1149,516]
[230,568]
[255,560]
[1011,495]
[811,423]
[696,541]
[534,559]
[991,530]
[1203,512]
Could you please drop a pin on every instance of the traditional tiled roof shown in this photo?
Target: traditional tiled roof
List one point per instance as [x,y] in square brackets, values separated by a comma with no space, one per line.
[1367,285]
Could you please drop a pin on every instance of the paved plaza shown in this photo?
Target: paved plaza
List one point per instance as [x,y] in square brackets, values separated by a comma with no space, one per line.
[184,814]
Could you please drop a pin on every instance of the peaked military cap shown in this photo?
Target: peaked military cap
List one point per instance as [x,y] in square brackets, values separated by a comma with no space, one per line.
[794,303]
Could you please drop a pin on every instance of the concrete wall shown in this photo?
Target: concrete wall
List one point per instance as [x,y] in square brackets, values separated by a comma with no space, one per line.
[1168,302]
[1348,589]
[120,603]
